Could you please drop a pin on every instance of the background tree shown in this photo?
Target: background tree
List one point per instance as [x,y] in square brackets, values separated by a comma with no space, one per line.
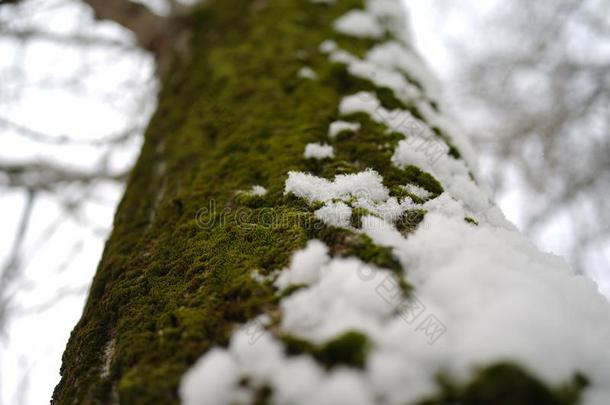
[555,53]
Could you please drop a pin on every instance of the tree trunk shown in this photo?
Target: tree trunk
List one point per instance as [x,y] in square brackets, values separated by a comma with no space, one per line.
[237,110]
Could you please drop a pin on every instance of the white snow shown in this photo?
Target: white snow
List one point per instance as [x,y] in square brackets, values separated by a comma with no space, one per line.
[362,101]
[496,296]
[366,184]
[328,46]
[359,23]
[335,214]
[398,57]
[378,16]
[307,73]
[220,374]
[336,127]
[417,191]
[258,190]
[304,265]
[318,151]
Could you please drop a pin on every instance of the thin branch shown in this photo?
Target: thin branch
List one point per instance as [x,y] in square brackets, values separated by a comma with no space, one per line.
[27,34]
[40,175]
[38,136]
[148,27]
[10,269]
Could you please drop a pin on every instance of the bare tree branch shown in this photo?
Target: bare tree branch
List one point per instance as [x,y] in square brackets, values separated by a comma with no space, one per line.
[37,136]
[45,175]
[11,267]
[26,34]
[151,30]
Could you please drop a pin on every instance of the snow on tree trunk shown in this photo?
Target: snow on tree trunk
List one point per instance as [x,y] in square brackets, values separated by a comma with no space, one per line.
[305,226]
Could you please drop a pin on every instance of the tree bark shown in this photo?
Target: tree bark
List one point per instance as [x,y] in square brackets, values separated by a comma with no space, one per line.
[237,110]
[174,276]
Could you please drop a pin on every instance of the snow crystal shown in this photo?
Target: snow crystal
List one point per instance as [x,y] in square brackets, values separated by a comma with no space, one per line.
[368,23]
[318,151]
[328,46]
[430,154]
[304,265]
[365,184]
[394,55]
[335,214]
[343,386]
[417,191]
[258,190]
[380,75]
[359,23]
[307,73]
[396,120]
[337,127]
[344,298]
[362,101]
[394,17]
[210,380]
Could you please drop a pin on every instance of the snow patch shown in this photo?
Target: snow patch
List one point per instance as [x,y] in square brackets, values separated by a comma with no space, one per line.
[304,265]
[359,23]
[337,127]
[318,151]
[417,191]
[258,190]
[307,73]
[366,184]
[335,214]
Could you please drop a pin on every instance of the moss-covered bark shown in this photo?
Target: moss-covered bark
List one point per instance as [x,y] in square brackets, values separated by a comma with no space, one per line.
[175,276]
[175,273]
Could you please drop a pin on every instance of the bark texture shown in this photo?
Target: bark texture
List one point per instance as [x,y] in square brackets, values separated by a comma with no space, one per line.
[175,276]
[175,273]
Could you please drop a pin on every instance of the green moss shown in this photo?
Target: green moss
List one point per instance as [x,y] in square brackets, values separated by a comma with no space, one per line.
[175,276]
[250,200]
[453,150]
[349,348]
[263,395]
[289,291]
[409,220]
[350,84]
[388,100]
[357,214]
[400,193]
[413,175]
[471,220]
[363,248]
[506,384]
